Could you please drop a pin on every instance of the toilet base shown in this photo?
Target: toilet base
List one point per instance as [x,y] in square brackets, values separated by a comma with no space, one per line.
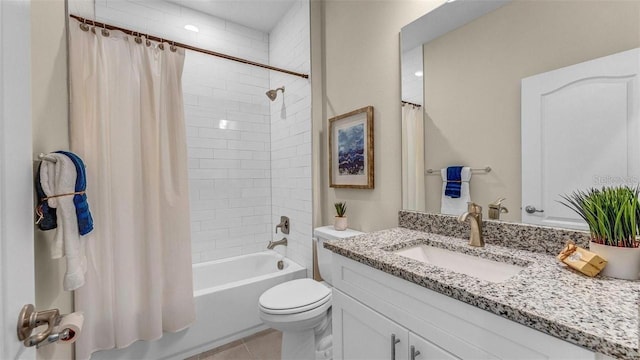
[298,345]
[309,344]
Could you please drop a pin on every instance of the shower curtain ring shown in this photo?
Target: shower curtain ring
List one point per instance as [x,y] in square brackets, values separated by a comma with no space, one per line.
[105,32]
[173,47]
[84,26]
[137,38]
[161,46]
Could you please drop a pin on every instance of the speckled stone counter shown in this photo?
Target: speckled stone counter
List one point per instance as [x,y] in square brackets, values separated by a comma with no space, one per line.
[600,314]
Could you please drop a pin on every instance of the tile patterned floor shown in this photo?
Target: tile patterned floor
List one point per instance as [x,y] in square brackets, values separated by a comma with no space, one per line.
[264,345]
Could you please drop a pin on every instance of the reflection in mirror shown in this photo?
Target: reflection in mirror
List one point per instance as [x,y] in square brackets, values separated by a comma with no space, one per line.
[412,130]
[472,107]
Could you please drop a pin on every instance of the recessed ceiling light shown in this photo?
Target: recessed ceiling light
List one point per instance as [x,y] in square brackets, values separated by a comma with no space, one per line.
[191,28]
[418,73]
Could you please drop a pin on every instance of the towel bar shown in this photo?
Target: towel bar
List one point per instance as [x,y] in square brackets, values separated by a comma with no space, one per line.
[45,157]
[437,172]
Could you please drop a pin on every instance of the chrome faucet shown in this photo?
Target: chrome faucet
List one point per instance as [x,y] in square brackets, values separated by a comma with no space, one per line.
[273,244]
[474,214]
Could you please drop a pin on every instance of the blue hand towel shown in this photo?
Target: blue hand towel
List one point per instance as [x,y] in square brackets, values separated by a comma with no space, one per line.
[454,181]
[49,219]
[85,221]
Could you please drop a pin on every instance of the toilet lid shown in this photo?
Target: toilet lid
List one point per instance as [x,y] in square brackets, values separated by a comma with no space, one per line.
[294,296]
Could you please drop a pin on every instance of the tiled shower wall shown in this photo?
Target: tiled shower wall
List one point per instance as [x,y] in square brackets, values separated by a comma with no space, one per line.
[228,124]
[249,158]
[291,131]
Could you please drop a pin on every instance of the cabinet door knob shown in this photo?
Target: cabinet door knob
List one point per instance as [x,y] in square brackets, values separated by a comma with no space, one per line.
[414,352]
[394,341]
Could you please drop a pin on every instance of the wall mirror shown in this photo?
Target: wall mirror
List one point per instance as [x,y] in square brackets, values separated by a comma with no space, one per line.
[490,83]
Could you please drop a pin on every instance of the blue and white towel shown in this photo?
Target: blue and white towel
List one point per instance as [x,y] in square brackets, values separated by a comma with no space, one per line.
[455,205]
[49,215]
[85,220]
[58,181]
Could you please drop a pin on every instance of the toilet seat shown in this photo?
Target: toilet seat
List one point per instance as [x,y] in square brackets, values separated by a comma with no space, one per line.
[293,297]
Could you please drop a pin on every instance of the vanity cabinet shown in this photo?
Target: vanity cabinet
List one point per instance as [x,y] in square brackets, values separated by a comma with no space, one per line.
[370,307]
[366,334]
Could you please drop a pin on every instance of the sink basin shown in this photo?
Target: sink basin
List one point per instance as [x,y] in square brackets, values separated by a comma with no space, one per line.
[484,269]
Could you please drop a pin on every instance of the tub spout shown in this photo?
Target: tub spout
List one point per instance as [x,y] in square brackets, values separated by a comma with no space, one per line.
[273,244]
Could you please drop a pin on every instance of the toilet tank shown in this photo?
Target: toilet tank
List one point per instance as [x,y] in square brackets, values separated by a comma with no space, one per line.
[327,233]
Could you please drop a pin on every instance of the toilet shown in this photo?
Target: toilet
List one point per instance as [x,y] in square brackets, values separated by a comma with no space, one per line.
[301,309]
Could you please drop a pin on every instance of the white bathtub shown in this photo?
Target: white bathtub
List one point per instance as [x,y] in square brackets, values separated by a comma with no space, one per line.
[226,294]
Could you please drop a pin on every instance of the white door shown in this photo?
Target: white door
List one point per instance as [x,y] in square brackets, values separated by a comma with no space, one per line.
[579,130]
[360,333]
[16,200]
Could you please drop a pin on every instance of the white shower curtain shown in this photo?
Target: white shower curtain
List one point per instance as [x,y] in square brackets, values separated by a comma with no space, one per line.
[127,123]
[413,184]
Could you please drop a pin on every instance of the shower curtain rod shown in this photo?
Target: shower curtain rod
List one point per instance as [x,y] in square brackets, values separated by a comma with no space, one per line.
[188,47]
[410,103]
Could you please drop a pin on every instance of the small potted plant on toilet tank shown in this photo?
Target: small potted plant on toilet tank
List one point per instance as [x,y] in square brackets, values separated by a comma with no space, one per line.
[340,222]
[613,216]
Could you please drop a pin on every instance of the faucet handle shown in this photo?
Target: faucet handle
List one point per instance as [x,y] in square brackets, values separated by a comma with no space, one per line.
[284,225]
[498,202]
[474,208]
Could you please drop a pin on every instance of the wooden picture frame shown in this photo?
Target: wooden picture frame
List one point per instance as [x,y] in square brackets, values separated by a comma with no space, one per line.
[351,150]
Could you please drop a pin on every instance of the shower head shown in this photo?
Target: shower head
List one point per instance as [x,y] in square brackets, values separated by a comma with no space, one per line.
[272,94]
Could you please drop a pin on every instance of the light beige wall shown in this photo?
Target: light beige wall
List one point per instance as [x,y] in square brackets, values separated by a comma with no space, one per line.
[472,83]
[50,133]
[357,63]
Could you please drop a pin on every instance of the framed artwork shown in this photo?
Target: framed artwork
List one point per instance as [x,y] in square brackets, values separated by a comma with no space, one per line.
[351,150]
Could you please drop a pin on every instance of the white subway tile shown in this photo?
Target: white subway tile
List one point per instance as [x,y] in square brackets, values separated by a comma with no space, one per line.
[219,164]
[240,204]
[206,143]
[256,192]
[199,215]
[220,195]
[233,154]
[246,145]
[208,173]
[199,153]
[255,164]
[219,134]
[220,224]
[247,174]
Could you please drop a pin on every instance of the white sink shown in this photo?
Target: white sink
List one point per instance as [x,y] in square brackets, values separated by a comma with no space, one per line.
[484,269]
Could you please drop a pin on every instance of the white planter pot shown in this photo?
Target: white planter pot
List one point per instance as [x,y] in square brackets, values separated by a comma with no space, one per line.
[340,223]
[622,263]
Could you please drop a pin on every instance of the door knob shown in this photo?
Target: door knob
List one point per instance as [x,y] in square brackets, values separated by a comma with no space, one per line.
[532,209]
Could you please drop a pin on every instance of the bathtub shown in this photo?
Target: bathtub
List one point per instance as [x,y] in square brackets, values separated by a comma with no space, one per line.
[226,295]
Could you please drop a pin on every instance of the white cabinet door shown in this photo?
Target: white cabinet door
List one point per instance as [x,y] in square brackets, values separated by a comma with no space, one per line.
[360,333]
[580,126]
[423,350]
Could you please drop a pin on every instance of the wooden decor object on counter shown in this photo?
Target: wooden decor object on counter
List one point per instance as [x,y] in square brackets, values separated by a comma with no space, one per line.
[581,259]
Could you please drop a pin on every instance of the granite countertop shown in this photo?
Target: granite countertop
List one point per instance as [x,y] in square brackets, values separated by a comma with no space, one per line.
[600,314]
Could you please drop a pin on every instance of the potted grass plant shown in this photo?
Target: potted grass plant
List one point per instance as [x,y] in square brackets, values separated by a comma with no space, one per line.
[340,222]
[613,217]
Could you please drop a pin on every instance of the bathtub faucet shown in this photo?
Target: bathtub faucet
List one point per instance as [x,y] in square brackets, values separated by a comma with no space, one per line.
[273,244]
